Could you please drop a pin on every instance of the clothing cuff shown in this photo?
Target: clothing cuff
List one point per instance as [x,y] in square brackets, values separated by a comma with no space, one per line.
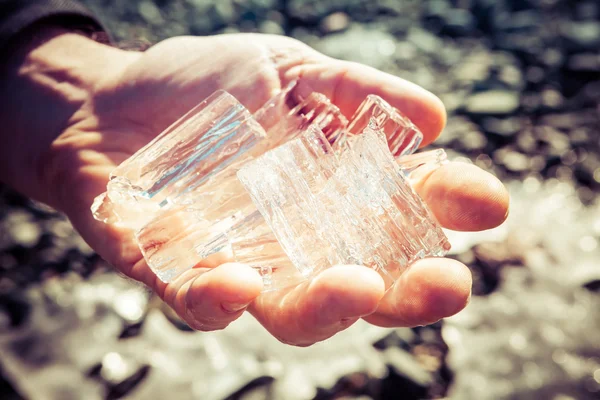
[65,13]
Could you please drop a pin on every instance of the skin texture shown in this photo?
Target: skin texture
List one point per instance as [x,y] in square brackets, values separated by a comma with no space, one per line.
[90,106]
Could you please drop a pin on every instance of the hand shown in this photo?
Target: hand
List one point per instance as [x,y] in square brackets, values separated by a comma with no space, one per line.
[137,95]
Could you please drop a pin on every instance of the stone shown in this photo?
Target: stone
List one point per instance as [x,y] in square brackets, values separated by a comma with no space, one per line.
[526,21]
[593,286]
[150,13]
[493,102]
[335,22]
[581,35]
[22,229]
[407,373]
[360,43]
[504,127]
[512,160]
[459,22]
[539,312]
[584,62]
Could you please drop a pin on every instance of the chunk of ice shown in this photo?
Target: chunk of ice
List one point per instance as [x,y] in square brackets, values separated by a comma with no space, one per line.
[211,140]
[365,212]
[403,137]
[296,107]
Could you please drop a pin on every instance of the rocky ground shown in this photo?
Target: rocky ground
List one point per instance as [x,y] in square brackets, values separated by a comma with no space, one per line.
[521,81]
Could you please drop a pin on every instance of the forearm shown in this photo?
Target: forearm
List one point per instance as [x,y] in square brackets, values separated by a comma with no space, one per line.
[48,81]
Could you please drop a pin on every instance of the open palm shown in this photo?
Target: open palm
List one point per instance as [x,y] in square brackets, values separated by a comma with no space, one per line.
[155,88]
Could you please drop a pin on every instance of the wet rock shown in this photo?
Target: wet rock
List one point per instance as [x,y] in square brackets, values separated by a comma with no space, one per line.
[402,337]
[271,28]
[131,330]
[555,143]
[472,140]
[125,387]
[581,35]
[512,160]
[150,12]
[536,329]
[335,22]
[526,21]
[522,44]
[7,390]
[406,376]
[493,102]
[593,286]
[22,229]
[362,44]
[16,308]
[511,76]
[458,22]
[526,142]
[486,12]
[424,40]
[505,127]
[510,252]
[587,10]
[585,62]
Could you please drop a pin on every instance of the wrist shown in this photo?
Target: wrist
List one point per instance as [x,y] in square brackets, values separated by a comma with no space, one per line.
[48,83]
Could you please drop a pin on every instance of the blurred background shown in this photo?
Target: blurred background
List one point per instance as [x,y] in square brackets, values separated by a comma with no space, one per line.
[521,82]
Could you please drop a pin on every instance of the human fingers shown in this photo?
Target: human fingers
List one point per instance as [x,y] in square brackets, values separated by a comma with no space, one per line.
[316,310]
[428,291]
[210,299]
[464,197]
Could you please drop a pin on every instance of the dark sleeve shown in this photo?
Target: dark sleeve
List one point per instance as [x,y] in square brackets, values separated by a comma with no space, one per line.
[17,15]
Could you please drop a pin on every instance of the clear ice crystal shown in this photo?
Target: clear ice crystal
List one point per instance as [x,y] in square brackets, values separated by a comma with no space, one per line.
[411,162]
[418,165]
[178,241]
[365,212]
[295,108]
[191,156]
[403,137]
[289,191]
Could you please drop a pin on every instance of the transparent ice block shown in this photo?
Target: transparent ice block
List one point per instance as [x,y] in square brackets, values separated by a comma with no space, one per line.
[296,107]
[201,150]
[403,137]
[289,112]
[185,237]
[365,212]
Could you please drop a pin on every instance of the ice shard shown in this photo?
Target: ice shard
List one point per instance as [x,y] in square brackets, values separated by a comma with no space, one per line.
[296,107]
[201,232]
[418,165]
[362,212]
[403,137]
[178,240]
[211,140]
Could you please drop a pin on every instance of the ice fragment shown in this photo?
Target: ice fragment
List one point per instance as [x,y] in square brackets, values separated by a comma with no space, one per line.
[217,134]
[365,212]
[403,137]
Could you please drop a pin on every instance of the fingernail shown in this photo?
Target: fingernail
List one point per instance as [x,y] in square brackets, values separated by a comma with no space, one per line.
[233,307]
